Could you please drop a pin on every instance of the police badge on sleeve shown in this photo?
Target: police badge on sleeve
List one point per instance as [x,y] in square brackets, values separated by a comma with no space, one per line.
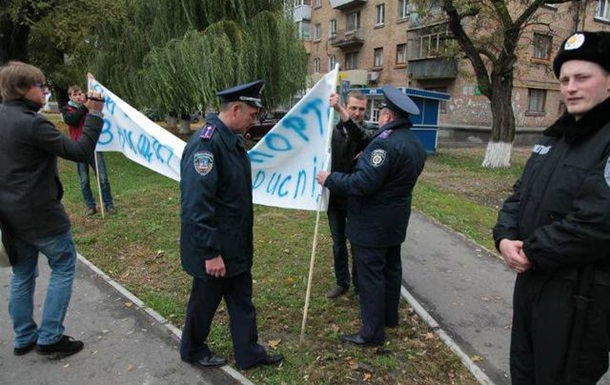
[378,157]
[203,162]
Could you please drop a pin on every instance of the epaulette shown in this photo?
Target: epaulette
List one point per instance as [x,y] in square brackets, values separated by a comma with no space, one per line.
[207,131]
[386,134]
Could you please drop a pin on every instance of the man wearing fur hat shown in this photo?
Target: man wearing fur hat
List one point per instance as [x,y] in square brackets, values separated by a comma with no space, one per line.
[554,230]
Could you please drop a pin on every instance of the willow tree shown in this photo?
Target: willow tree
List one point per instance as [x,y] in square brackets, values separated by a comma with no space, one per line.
[178,59]
[488,33]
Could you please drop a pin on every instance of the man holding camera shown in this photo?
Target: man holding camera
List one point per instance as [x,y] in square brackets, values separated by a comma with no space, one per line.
[31,208]
[74,114]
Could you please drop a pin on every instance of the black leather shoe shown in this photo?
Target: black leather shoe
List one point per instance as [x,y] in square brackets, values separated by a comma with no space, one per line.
[356,339]
[211,361]
[25,349]
[336,291]
[66,346]
[267,361]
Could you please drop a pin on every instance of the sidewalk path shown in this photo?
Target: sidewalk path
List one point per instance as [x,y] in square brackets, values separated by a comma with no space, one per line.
[465,293]
[124,343]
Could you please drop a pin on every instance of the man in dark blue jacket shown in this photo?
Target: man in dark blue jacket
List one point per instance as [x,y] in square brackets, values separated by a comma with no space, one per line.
[379,206]
[31,208]
[216,239]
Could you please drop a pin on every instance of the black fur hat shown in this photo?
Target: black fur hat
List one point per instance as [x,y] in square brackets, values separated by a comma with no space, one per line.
[587,46]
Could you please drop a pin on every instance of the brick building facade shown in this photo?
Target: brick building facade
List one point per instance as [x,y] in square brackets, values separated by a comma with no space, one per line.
[379,42]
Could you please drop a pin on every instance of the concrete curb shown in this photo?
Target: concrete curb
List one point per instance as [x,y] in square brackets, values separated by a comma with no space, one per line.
[472,367]
[156,316]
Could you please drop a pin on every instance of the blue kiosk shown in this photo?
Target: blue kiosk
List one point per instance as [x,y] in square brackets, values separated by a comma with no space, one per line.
[425,125]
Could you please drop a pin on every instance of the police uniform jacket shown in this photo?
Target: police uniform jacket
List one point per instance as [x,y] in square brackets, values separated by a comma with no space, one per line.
[216,203]
[560,208]
[30,190]
[345,146]
[380,187]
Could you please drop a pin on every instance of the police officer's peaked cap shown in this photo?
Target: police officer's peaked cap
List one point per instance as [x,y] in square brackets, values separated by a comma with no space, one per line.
[398,102]
[248,93]
[587,46]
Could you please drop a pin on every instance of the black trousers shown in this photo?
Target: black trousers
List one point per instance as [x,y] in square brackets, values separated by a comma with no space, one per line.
[203,302]
[379,283]
[541,331]
[337,221]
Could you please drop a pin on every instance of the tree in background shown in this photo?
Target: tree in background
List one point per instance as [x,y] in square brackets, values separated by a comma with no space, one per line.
[488,33]
[56,35]
[174,56]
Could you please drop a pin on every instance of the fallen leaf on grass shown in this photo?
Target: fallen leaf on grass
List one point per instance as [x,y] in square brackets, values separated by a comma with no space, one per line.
[274,343]
[367,377]
[429,336]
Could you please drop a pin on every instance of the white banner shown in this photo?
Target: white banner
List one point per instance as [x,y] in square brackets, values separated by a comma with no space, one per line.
[287,159]
[140,139]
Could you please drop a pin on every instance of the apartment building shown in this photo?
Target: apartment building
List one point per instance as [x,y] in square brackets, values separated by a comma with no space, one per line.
[378,42]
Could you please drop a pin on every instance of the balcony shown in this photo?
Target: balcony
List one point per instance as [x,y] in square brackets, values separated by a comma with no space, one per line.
[433,68]
[346,4]
[348,39]
[301,12]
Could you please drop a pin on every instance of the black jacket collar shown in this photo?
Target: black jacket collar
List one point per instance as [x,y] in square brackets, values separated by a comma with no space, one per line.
[574,130]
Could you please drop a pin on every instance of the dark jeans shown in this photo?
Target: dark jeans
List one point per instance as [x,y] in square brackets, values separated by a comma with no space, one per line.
[85,185]
[337,223]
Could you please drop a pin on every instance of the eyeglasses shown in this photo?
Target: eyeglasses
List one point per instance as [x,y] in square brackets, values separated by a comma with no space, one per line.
[42,86]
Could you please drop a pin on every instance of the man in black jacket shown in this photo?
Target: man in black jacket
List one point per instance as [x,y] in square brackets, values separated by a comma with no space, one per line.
[31,209]
[554,230]
[344,150]
[379,192]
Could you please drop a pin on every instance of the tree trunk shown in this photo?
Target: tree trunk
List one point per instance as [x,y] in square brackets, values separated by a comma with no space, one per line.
[172,122]
[503,122]
[13,41]
[185,126]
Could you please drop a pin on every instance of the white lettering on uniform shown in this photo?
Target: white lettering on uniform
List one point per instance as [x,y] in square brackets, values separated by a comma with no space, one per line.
[541,150]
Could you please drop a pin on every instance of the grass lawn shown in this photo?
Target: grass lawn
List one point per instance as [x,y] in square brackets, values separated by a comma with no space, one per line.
[138,247]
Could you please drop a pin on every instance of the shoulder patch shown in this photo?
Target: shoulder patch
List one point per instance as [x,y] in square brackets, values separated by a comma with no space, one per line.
[385,134]
[207,131]
[203,162]
[607,172]
[378,157]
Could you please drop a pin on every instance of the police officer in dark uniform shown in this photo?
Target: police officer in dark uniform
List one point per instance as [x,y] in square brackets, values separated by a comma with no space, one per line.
[379,205]
[216,241]
[554,230]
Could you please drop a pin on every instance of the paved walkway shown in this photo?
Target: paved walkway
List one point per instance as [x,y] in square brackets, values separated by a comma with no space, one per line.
[465,293]
[125,343]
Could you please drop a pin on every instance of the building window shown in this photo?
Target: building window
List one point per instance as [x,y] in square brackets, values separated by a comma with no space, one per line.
[317,32]
[353,21]
[332,62]
[428,42]
[537,98]
[316,65]
[351,61]
[303,28]
[403,9]
[302,2]
[318,3]
[401,54]
[332,28]
[378,57]
[602,9]
[542,46]
[379,14]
